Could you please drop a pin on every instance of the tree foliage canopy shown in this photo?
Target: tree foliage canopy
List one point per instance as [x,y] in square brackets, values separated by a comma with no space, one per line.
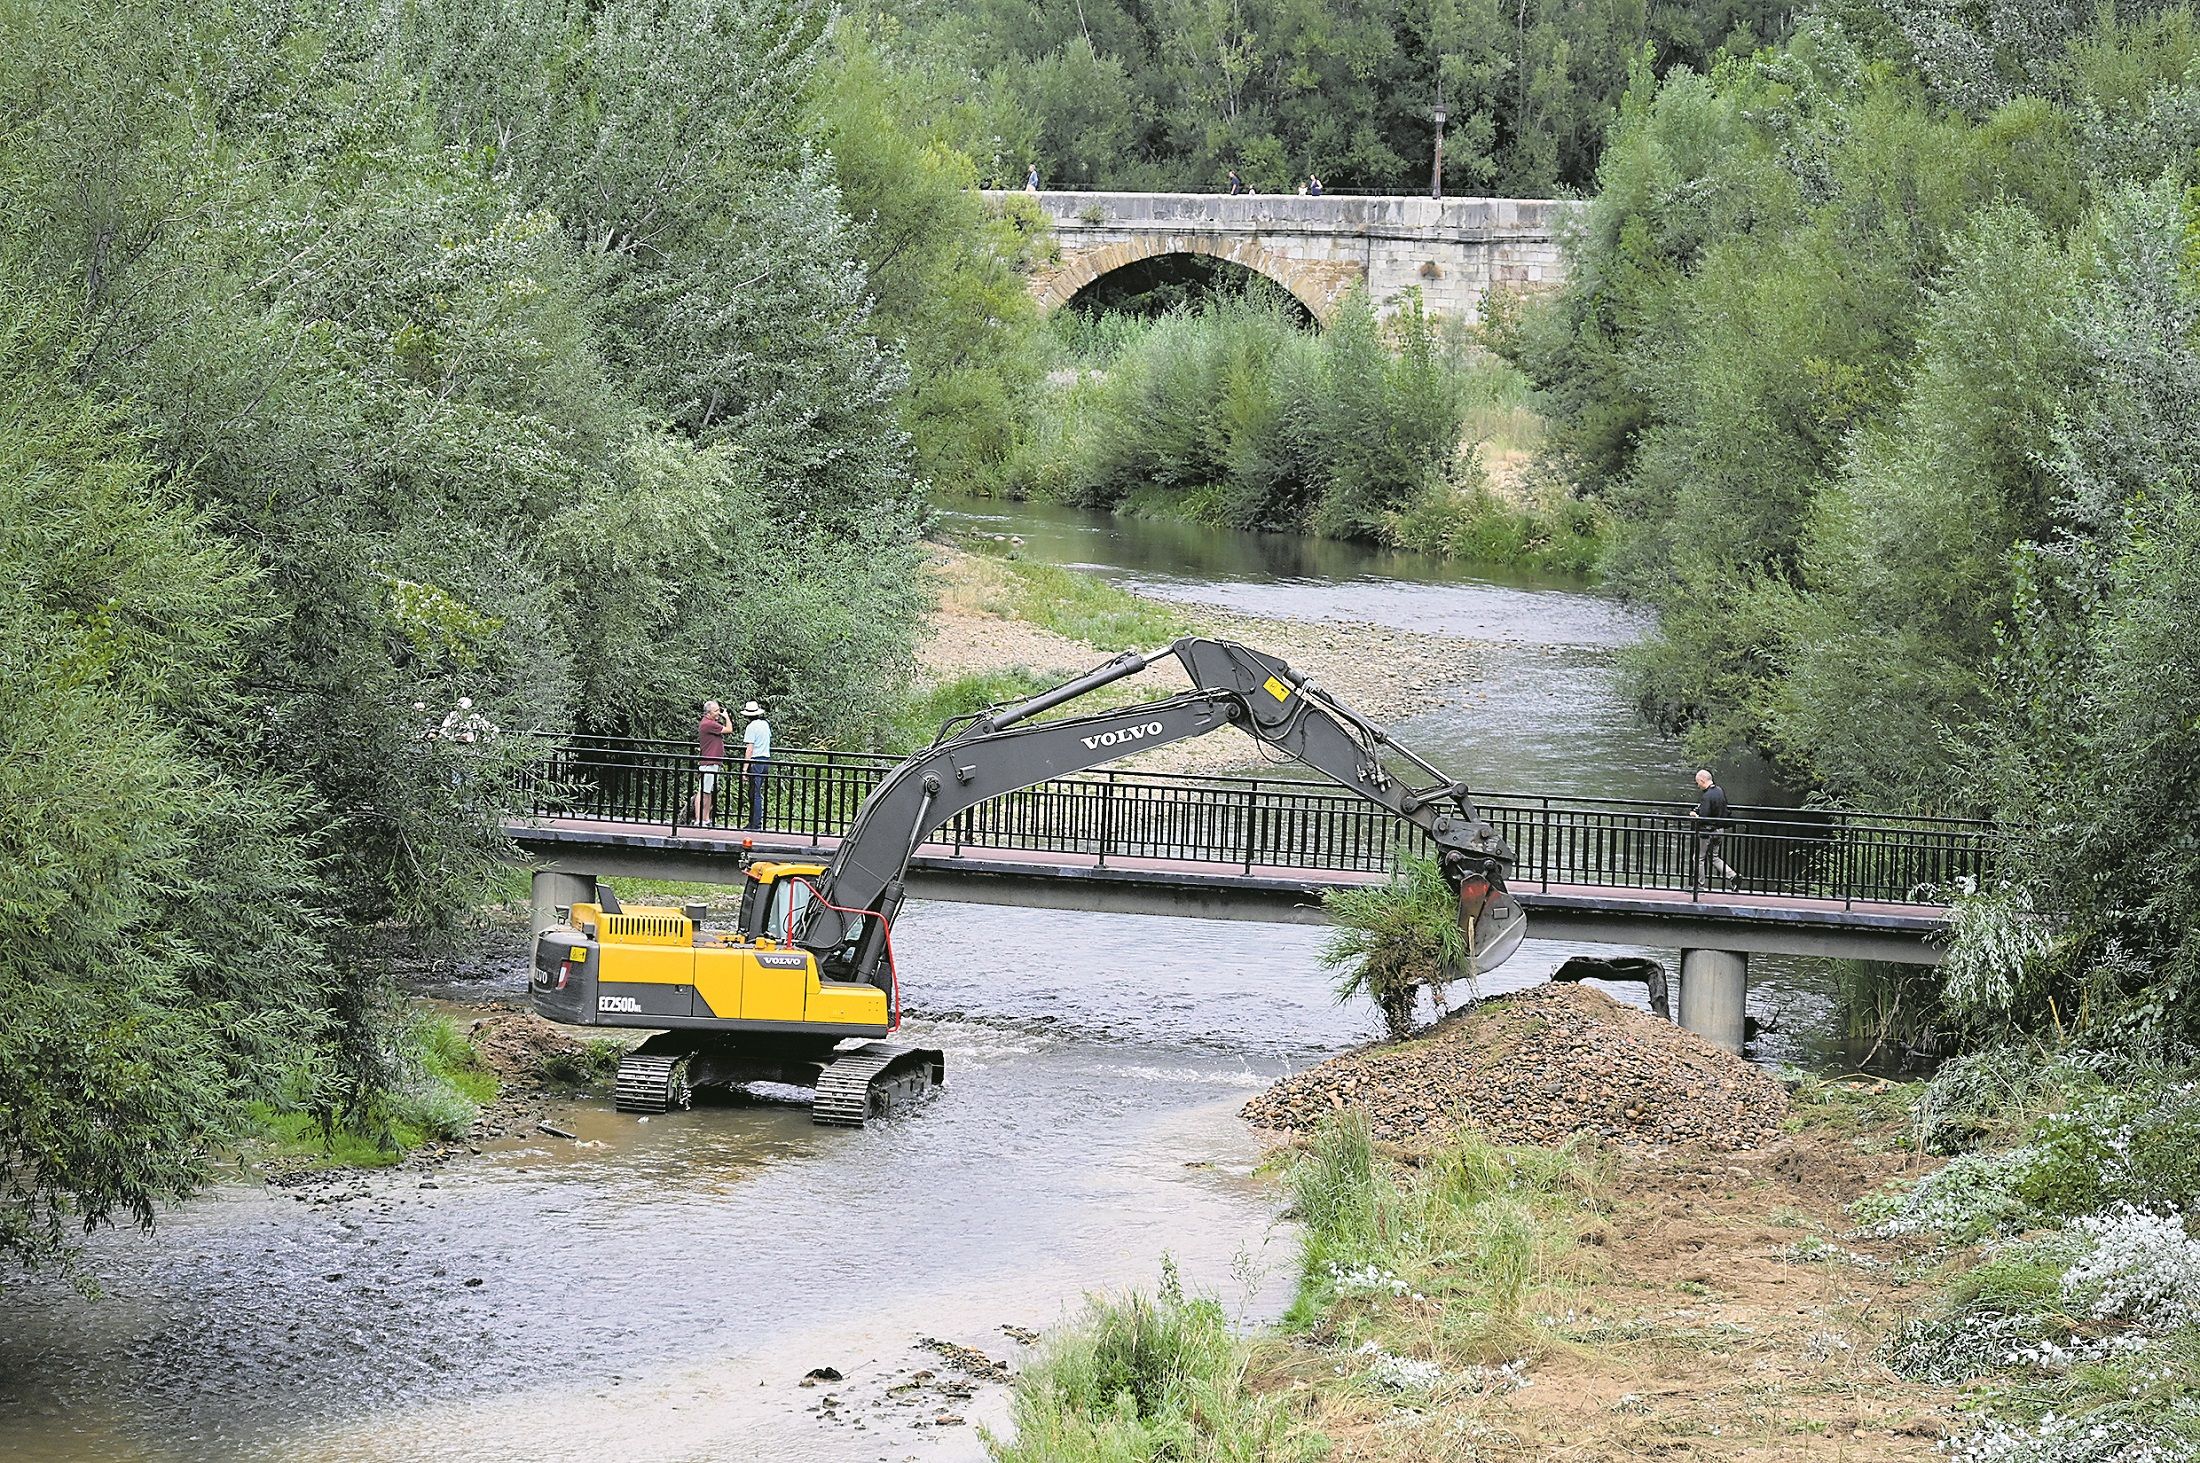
[1173,95]
[357,359]
[1880,345]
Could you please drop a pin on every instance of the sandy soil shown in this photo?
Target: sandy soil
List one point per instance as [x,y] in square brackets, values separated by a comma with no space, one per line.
[1384,673]
[1722,1311]
[1748,1352]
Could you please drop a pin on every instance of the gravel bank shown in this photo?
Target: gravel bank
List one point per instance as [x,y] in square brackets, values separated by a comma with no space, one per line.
[1384,673]
[1541,1067]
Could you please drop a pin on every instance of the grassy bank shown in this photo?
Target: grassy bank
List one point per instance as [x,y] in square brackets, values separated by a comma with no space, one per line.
[442,1088]
[1426,1286]
[1077,606]
[2034,1298]
[1415,1293]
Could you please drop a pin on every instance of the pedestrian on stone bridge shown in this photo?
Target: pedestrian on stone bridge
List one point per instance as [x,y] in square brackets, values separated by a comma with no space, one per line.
[1313,185]
[1712,823]
[1237,184]
[1031,179]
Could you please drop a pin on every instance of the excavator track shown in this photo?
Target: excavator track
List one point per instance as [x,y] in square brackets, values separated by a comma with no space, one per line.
[652,1083]
[873,1080]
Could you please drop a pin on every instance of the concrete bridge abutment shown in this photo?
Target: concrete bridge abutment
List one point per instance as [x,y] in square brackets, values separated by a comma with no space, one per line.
[552,890]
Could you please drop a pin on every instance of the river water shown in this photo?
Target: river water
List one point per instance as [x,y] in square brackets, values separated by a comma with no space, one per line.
[655,1289]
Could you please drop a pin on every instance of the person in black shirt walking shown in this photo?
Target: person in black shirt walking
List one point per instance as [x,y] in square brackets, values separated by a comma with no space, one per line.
[1712,822]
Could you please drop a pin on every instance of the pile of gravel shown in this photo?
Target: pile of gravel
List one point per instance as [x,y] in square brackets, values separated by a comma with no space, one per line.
[1540,1067]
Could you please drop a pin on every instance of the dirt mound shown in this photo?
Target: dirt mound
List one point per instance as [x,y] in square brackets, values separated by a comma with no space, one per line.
[1540,1067]
[515,1045]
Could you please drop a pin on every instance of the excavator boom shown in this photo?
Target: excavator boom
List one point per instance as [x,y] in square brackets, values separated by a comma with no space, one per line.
[809,963]
[1006,748]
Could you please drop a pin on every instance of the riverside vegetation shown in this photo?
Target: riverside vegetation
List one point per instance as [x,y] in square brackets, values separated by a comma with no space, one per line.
[576,356]
[1878,349]
[1231,412]
[1994,1266]
[354,360]
[1878,345]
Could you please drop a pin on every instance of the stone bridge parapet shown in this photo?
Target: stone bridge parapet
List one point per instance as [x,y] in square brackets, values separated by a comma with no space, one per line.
[1453,250]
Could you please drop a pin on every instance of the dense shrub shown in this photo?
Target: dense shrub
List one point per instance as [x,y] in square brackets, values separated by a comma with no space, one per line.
[1234,415]
[1551,531]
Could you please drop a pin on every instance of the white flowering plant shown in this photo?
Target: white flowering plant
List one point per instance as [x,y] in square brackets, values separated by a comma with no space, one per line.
[2140,1266]
[2062,1439]
[2139,1146]
[2089,1337]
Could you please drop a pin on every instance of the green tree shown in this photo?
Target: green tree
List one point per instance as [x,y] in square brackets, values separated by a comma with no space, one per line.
[1907,567]
[160,968]
[945,272]
[1109,94]
[2090,749]
[516,352]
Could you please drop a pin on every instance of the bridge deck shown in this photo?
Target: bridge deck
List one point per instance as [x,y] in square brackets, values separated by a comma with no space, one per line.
[1728,919]
[1814,881]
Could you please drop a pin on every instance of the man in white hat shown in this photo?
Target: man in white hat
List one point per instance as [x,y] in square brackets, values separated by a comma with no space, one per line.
[756,759]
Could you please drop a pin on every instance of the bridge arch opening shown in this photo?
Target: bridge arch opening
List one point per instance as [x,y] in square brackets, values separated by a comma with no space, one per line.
[1161,282]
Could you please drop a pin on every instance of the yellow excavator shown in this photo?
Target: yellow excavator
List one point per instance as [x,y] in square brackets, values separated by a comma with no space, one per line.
[807,964]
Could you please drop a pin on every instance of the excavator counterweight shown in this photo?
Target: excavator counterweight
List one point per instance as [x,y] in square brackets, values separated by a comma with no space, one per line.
[808,963]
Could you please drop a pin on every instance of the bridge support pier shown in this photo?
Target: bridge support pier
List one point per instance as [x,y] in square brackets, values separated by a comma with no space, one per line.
[552,888]
[1715,995]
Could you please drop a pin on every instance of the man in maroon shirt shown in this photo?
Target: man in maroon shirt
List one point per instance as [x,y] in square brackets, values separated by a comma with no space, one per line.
[710,756]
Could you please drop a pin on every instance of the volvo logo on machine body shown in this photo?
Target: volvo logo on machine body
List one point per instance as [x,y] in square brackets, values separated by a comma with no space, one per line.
[1121,735]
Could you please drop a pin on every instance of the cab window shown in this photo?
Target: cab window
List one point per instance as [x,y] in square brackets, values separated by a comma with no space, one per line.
[789,897]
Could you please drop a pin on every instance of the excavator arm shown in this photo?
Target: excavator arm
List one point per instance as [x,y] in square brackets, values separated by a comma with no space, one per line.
[1004,749]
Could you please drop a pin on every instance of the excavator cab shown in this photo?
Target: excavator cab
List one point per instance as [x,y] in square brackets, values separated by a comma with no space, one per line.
[776,896]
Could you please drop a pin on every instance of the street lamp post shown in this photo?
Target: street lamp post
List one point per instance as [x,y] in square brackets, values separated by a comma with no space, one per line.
[1436,169]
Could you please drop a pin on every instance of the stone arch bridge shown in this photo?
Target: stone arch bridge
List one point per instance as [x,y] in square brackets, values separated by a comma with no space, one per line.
[1454,250]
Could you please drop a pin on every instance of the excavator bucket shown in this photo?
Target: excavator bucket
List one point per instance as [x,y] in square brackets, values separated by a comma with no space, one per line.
[1493,922]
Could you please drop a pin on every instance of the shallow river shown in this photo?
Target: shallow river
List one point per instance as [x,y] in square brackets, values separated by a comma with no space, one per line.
[657,1288]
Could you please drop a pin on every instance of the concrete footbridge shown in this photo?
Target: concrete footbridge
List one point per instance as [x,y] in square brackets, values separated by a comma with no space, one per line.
[1455,251]
[1808,882]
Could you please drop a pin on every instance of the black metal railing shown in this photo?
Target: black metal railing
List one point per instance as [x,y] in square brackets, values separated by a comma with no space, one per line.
[1286,823]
